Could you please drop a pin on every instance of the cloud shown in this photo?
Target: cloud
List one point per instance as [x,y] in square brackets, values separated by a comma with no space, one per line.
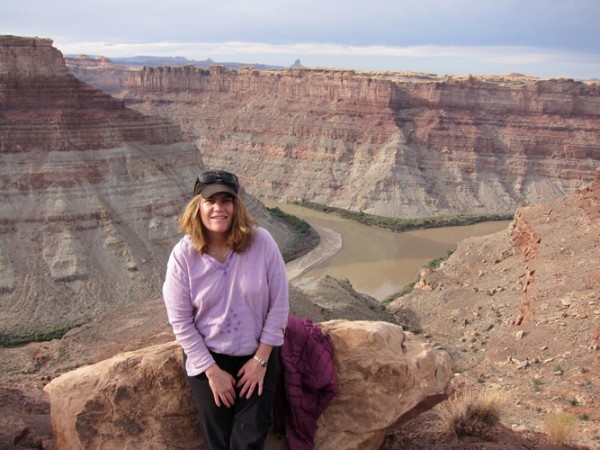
[439,59]
[399,23]
[541,37]
[203,50]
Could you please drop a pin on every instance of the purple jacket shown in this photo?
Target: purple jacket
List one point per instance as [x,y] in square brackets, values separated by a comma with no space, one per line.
[307,381]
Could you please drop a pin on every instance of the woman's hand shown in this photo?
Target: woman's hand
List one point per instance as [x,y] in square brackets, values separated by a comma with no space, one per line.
[222,385]
[250,377]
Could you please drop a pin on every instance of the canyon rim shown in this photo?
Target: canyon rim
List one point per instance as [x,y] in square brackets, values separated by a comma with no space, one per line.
[91,185]
[390,144]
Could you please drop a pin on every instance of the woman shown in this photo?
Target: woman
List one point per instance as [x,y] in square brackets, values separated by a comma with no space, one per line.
[226,294]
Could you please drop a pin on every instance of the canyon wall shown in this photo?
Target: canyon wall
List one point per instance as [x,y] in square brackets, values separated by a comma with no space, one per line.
[393,144]
[89,195]
[99,72]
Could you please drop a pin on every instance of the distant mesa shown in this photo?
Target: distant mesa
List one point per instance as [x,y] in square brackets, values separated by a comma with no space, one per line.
[174,61]
[388,144]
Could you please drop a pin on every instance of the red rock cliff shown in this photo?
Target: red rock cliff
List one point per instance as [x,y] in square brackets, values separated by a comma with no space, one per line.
[43,106]
[389,144]
[89,194]
[89,190]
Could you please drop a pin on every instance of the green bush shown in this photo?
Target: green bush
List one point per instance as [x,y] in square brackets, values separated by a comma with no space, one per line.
[305,237]
[15,340]
[399,224]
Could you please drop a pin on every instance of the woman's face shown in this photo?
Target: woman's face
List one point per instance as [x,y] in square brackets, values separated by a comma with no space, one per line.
[216,212]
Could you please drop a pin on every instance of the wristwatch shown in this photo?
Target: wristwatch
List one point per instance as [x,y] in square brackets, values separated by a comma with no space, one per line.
[262,362]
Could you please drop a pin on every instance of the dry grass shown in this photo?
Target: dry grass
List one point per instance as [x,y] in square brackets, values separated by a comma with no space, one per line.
[560,426]
[471,413]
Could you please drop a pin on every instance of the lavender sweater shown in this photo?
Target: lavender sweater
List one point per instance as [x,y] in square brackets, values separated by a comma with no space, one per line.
[228,308]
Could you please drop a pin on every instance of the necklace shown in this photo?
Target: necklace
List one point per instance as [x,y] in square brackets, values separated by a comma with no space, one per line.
[220,261]
[219,256]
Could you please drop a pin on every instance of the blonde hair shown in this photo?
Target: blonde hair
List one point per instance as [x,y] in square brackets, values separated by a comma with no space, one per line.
[241,232]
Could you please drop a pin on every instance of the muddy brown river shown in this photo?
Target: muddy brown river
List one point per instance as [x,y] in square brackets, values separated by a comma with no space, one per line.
[379,262]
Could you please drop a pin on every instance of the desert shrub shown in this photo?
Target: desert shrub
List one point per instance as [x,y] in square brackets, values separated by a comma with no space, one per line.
[560,426]
[437,262]
[16,340]
[306,238]
[471,413]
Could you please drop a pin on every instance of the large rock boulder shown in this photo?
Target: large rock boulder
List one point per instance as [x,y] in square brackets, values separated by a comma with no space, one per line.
[141,399]
[133,400]
[385,377]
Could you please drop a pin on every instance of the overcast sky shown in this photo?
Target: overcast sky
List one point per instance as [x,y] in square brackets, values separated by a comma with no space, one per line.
[547,38]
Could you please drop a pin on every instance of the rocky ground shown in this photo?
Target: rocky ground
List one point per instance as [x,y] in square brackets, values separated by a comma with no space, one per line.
[517,311]
[424,433]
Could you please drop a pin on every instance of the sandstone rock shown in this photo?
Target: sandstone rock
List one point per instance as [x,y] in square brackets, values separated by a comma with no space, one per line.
[133,400]
[24,419]
[15,433]
[141,399]
[385,377]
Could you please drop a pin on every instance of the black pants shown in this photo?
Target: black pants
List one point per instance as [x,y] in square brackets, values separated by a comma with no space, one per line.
[246,424]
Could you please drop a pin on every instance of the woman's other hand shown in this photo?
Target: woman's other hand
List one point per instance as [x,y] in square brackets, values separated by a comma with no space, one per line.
[251,376]
[222,385]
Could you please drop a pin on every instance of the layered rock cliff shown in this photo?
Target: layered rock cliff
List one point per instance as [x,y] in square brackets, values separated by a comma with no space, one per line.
[384,143]
[89,193]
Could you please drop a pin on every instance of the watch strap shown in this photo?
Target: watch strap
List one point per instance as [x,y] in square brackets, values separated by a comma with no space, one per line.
[261,361]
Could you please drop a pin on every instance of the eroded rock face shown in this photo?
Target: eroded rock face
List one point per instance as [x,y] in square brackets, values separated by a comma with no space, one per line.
[141,399]
[45,109]
[560,240]
[24,419]
[89,192]
[89,195]
[388,144]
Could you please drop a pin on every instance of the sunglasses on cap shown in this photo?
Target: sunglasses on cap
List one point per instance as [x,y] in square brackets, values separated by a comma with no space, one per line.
[207,178]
